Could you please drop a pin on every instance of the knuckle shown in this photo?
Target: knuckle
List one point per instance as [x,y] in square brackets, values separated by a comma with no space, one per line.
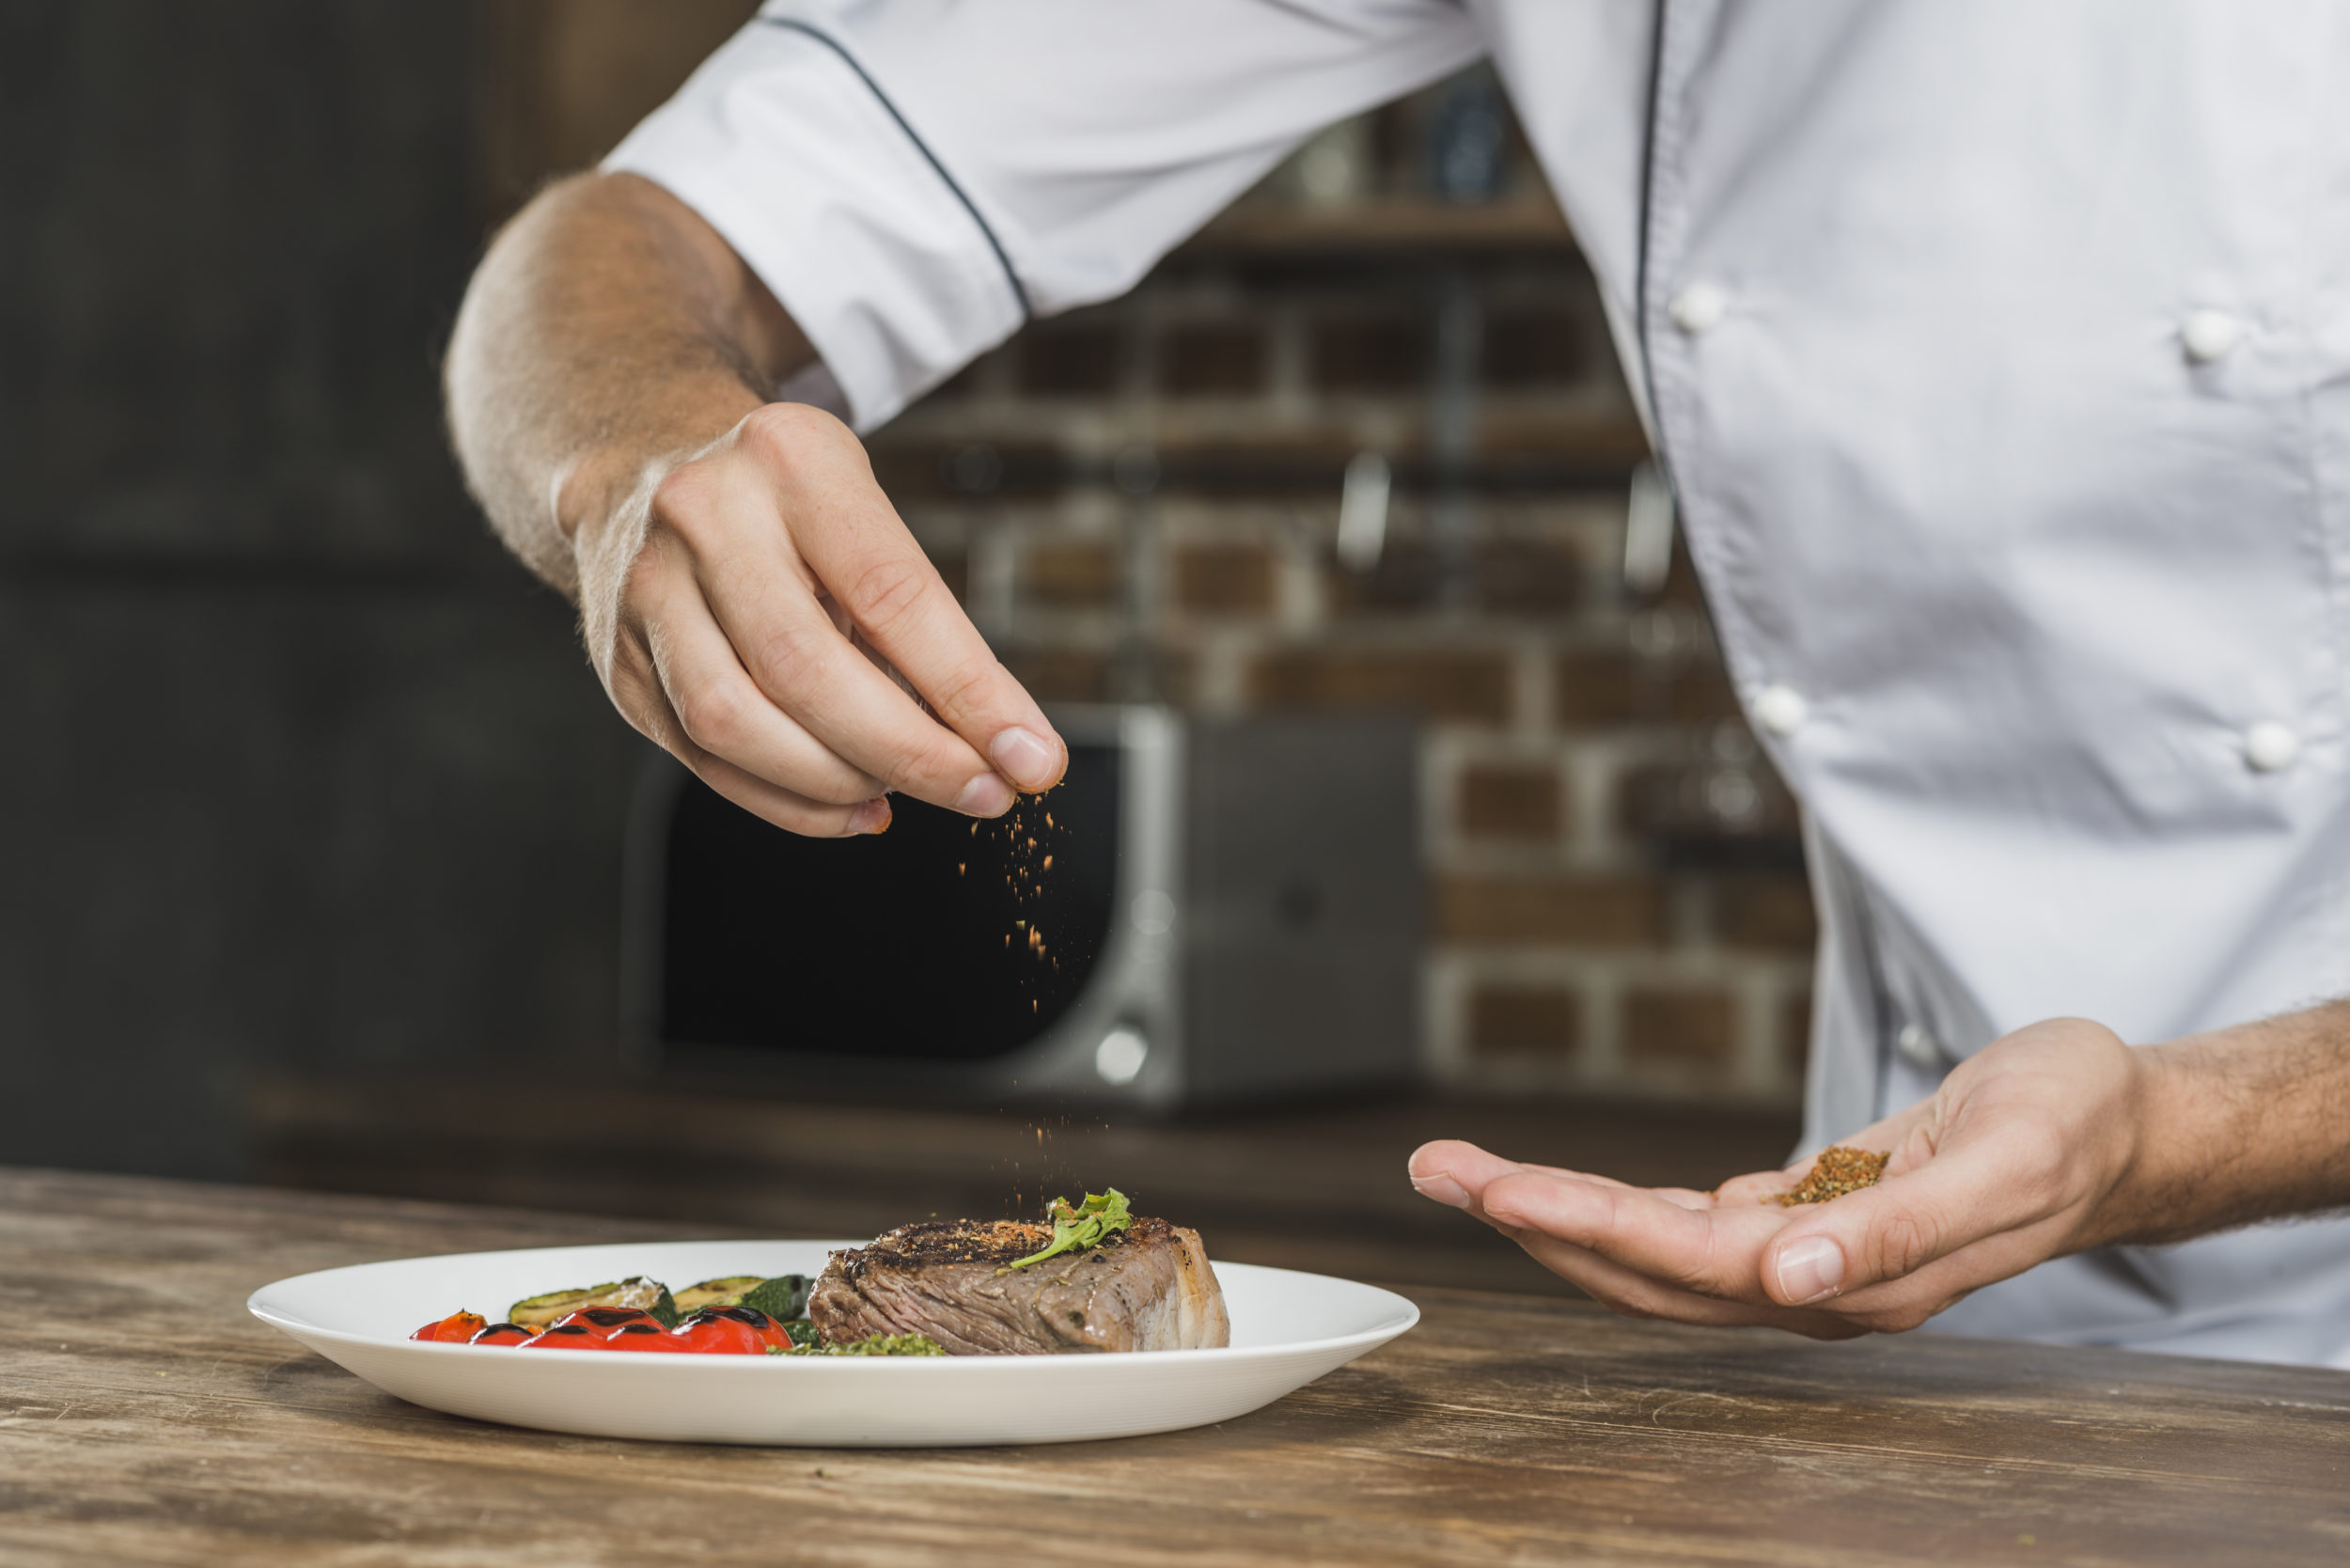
[888,591]
[913,762]
[785,435]
[790,660]
[947,754]
[713,718]
[962,692]
[1705,1273]
[685,493]
[1902,1241]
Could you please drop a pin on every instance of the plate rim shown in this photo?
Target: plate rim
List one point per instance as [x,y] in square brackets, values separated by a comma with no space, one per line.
[303,1329]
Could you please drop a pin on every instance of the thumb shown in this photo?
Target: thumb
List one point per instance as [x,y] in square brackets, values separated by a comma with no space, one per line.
[1889,1231]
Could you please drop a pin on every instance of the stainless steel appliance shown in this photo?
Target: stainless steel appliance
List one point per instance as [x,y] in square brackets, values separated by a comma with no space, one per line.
[1205,910]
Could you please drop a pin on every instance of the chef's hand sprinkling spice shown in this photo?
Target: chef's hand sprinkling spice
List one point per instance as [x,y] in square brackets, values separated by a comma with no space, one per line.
[2057,1138]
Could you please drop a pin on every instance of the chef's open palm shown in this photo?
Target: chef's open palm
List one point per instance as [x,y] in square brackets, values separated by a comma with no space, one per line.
[760,610]
[2011,1163]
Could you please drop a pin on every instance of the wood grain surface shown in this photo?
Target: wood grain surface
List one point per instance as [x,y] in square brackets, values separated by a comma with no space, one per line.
[144,1417]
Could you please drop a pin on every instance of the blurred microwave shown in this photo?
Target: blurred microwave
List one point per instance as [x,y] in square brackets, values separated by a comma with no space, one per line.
[1203,911]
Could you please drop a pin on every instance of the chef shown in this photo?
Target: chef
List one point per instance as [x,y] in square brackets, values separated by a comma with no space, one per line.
[1999,356]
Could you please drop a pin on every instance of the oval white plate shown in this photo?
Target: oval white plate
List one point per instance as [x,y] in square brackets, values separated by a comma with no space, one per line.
[1288,1329]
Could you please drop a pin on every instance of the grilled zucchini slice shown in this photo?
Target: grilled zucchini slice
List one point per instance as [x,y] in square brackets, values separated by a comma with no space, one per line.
[650,1295]
[782,1298]
[715,1293]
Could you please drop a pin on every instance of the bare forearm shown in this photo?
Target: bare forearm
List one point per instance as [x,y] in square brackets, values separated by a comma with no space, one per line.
[607,326]
[2240,1125]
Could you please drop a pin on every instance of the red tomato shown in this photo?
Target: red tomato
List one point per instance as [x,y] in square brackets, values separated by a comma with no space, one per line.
[603,1322]
[502,1334]
[647,1335]
[771,1333]
[455,1329]
[727,1331]
[567,1335]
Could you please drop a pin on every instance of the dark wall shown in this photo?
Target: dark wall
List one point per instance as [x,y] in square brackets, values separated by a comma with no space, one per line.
[296,768]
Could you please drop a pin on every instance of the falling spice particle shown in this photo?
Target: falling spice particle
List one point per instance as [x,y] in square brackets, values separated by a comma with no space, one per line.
[1048,862]
[1835,1172]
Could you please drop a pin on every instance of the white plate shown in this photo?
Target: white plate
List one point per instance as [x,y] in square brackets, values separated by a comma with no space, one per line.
[1288,1329]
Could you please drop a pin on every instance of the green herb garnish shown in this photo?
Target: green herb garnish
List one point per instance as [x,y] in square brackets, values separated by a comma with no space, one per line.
[1088,1224]
[874,1344]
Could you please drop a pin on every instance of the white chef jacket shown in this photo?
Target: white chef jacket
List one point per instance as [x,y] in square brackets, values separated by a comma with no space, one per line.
[2001,356]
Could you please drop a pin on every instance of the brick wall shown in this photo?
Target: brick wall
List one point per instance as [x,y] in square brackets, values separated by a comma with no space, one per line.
[1140,501]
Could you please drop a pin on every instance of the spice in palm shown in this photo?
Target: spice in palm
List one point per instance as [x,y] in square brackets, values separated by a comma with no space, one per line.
[1835,1172]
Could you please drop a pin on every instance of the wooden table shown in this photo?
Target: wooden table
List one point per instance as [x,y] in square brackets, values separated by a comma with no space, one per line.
[145,1418]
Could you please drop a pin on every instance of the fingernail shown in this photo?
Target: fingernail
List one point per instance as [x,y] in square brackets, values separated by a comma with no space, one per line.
[870,817]
[1442,1189]
[1811,1268]
[986,795]
[1027,759]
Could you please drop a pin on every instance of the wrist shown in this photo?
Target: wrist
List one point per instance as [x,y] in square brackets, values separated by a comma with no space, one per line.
[2198,1143]
[598,484]
[2145,1179]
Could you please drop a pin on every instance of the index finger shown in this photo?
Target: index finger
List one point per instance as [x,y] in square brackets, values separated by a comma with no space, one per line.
[1712,1251]
[869,561]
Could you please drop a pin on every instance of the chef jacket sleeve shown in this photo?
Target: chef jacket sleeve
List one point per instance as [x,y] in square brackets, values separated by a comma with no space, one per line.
[916,179]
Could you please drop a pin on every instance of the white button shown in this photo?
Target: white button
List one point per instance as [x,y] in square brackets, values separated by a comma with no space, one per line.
[2270,746]
[1780,710]
[2208,334]
[1917,1046]
[1698,306]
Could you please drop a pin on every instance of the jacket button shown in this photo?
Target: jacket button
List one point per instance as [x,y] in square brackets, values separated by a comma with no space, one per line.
[2270,746]
[2208,334]
[1917,1046]
[1780,710]
[1698,306]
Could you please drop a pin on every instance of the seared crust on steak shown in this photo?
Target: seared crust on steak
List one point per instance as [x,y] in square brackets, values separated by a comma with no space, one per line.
[1148,1287]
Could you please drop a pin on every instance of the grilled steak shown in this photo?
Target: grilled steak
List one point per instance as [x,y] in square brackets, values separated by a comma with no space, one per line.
[1148,1287]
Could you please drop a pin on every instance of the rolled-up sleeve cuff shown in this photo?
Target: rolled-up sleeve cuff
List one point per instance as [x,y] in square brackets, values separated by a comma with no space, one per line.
[782,145]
